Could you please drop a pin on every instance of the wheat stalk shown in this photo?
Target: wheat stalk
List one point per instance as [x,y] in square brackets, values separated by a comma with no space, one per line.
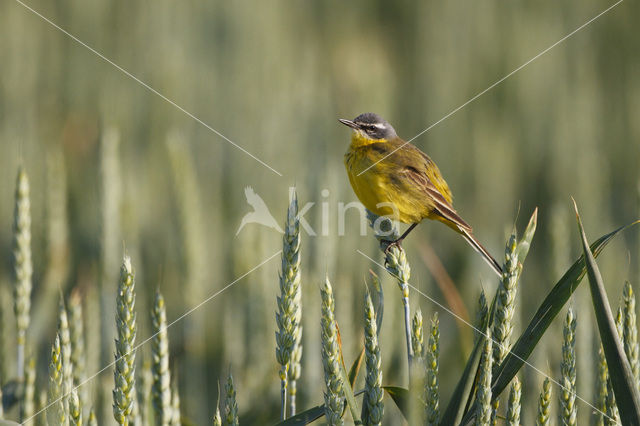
[417,335]
[92,420]
[175,403]
[482,315]
[27,408]
[417,374]
[602,386]
[333,396]
[217,420]
[43,398]
[161,385]
[373,393]
[397,266]
[569,410]
[295,366]
[124,393]
[544,404]
[505,303]
[294,372]
[78,348]
[483,397]
[56,414]
[22,265]
[65,345]
[75,409]
[93,336]
[432,396]
[513,408]
[613,416]
[230,404]
[631,330]
[143,387]
[289,315]
[5,299]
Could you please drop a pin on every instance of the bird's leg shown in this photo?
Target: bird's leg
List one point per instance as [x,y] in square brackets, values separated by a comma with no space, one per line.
[397,242]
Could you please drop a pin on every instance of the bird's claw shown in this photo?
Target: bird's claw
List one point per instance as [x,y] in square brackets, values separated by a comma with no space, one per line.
[395,243]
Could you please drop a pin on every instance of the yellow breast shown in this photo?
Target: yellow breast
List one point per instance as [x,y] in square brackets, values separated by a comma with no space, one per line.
[375,187]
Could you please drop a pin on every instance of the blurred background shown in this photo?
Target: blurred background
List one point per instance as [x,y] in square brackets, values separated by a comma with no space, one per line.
[115,168]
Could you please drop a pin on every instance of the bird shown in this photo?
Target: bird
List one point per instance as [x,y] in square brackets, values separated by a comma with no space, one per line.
[394,178]
[260,213]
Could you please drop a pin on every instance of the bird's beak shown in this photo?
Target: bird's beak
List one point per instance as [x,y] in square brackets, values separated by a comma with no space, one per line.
[348,123]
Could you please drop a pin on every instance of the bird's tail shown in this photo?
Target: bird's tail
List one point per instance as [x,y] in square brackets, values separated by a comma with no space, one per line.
[468,236]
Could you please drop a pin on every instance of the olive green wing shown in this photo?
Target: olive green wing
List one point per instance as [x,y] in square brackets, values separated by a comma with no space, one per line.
[421,171]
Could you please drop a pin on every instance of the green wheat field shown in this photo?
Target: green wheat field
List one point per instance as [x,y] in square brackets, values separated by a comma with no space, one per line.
[135,289]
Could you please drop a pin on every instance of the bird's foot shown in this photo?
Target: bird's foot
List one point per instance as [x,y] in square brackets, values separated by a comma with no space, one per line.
[396,243]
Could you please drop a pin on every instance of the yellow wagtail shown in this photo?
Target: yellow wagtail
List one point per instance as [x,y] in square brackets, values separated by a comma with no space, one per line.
[394,178]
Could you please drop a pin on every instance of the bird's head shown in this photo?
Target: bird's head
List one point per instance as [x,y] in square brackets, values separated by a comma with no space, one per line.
[370,126]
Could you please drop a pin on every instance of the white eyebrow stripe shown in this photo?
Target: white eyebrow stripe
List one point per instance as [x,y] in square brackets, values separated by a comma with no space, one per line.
[379,126]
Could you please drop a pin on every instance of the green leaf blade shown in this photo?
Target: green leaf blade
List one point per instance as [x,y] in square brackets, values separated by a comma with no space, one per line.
[525,243]
[622,379]
[304,418]
[348,393]
[461,395]
[402,398]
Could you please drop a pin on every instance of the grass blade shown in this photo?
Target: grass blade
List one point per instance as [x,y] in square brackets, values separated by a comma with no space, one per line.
[463,394]
[402,397]
[456,407]
[347,387]
[304,418]
[525,242]
[355,369]
[348,394]
[622,380]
